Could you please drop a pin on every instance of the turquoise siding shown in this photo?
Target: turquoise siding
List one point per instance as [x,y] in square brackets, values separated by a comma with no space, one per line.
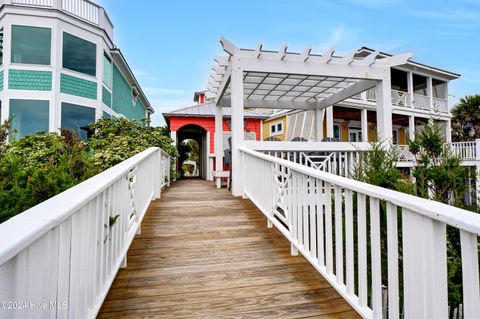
[1,81]
[106,97]
[78,87]
[29,80]
[122,98]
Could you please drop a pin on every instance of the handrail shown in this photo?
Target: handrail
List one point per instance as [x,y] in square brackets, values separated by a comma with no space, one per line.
[316,213]
[23,229]
[447,214]
[308,146]
[79,238]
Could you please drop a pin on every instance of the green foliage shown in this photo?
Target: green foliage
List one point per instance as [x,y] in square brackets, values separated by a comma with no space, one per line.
[37,167]
[466,119]
[116,140]
[439,175]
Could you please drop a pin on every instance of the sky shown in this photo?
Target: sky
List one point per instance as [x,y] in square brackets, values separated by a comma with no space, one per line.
[170,45]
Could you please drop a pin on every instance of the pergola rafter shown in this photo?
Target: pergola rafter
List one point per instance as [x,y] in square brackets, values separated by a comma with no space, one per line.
[296,80]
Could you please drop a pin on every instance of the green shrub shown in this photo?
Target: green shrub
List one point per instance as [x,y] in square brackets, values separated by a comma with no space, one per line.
[37,167]
[115,140]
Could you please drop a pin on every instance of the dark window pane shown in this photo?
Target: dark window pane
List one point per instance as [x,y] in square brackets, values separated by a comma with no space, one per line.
[31,45]
[106,115]
[79,55]
[29,116]
[78,118]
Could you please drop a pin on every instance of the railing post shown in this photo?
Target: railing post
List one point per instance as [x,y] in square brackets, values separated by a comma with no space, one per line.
[157,175]
[477,149]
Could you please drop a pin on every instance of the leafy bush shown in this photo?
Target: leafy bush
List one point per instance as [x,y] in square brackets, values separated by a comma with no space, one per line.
[115,140]
[37,167]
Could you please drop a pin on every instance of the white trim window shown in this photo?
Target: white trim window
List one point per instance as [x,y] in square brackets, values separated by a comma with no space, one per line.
[276,128]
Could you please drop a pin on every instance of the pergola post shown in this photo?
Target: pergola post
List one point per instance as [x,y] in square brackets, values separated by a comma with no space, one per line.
[411,127]
[364,124]
[237,130]
[410,89]
[384,110]
[319,119]
[218,139]
[330,121]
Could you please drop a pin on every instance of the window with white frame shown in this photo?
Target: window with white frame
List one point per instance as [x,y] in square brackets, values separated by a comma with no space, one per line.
[276,128]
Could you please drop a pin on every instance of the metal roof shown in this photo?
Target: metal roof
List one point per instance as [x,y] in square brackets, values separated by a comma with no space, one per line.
[208,110]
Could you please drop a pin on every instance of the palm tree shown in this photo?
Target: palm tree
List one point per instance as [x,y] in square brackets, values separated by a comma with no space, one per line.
[466,118]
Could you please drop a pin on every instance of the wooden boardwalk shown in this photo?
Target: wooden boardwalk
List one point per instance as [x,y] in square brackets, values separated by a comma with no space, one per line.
[205,254]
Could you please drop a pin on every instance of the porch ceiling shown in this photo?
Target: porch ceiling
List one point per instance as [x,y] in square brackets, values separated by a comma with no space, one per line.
[283,79]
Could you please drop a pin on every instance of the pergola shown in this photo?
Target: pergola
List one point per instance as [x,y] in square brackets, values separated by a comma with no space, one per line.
[295,80]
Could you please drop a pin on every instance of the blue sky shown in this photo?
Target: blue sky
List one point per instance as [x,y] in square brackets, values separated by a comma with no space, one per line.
[170,44]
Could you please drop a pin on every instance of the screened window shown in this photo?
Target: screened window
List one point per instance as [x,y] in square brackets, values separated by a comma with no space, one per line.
[31,45]
[79,55]
[336,132]
[28,117]
[107,70]
[78,118]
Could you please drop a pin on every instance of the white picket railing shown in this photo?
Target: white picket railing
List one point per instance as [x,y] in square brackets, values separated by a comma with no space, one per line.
[337,158]
[321,213]
[467,151]
[84,9]
[59,258]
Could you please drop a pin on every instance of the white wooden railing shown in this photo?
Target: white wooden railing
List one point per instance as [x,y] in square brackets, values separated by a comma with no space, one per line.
[337,158]
[467,151]
[59,258]
[84,9]
[335,223]
[400,98]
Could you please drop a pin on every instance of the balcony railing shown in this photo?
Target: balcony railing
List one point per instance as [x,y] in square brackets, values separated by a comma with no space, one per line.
[339,225]
[407,100]
[83,9]
[65,252]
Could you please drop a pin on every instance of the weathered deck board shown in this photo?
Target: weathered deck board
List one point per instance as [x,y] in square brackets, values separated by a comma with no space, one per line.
[205,254]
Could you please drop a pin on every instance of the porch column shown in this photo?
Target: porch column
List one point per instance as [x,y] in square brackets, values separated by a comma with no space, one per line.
[237,130]
[364,124]
[448,131]
[330,121]
[411,127]
[384,110]
[319,119]
[430,91]
[410,89]
[218,143]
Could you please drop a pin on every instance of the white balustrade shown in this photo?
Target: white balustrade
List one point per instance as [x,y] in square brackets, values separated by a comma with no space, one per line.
[84,9]
[336,224]
[59,258]
[466,151]
[40,3]
[400,98]
[440,104]
[421,102]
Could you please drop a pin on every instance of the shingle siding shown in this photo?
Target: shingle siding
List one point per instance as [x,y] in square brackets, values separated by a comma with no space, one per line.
[122,98]
[29,80]
[106,97]
[78,87]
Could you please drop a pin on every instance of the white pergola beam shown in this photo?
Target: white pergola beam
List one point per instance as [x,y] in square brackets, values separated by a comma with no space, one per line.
[298,66]
[223,85]
[228,46]
[271,104]
[393,61]
[347,92]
